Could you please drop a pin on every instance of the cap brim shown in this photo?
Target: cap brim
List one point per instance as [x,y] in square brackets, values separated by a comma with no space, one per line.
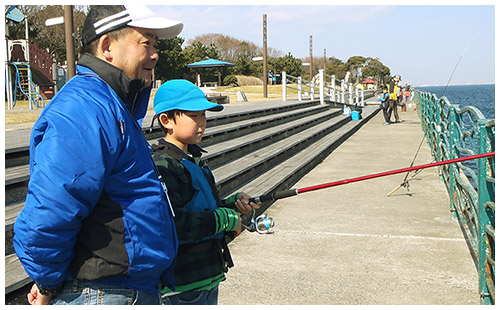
[165,28]
[201,105]
[198,105]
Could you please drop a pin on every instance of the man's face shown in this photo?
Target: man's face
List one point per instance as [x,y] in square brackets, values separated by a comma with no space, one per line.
[136,54]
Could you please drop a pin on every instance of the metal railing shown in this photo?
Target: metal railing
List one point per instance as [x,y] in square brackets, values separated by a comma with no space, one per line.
[453,132]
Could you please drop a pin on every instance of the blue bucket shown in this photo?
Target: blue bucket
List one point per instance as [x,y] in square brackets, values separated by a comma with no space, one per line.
[355,115]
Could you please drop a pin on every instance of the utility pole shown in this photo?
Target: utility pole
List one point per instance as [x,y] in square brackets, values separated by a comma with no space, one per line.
[324,59]
[70,41]
[264,55]
[311,57]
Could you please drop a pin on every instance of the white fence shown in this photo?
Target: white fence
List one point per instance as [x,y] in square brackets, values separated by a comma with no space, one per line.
[336,90]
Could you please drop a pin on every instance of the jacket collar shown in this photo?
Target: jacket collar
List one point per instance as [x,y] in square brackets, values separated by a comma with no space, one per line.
[179,154]
[126,88]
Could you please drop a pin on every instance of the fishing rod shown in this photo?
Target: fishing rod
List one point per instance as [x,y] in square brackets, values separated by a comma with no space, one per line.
[406,181]
[293,192]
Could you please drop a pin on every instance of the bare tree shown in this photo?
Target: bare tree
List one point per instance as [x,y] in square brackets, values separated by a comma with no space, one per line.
[228,48]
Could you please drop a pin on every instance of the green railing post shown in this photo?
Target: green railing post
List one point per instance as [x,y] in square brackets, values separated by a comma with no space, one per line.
[486,233]
[454,140]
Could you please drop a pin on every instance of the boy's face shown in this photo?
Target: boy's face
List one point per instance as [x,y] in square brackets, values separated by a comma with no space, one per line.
[188,127]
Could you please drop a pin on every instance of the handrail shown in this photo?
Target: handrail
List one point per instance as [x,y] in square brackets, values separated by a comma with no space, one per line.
[29,95]
[453,132]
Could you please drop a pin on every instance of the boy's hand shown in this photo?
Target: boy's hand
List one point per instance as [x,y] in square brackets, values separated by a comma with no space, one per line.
[244,205]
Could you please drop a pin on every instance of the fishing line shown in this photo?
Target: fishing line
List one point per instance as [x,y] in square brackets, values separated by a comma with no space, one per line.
[465,49]
[405,181]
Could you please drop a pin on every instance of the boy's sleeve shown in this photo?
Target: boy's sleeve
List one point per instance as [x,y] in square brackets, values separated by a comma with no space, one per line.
[231,200]
[190,225]
[225,220]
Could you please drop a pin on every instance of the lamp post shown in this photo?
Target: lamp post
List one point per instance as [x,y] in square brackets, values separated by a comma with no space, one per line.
[68,31]
[70,42]
[264,53]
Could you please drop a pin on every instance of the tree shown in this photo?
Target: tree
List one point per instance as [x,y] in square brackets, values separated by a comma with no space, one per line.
[354,65]
[289,64]
[228,48]
[172,63]
[337,68]
[376,70]
[47,37]
[243,66]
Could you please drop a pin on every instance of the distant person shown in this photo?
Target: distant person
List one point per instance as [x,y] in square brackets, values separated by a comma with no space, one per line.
[200,220]
[401,100]
[384,104]
[407,94]
[393,101]
[97,227]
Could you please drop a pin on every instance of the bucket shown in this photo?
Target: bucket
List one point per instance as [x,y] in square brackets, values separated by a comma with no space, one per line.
[355,115]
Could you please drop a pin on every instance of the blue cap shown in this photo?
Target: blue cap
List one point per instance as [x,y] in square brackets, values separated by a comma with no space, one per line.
[182,95]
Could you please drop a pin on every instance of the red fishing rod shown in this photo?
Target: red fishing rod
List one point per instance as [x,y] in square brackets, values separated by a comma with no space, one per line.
[293,192]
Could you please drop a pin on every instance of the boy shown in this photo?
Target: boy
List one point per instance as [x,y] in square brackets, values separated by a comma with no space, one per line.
[203,256]
[384,104]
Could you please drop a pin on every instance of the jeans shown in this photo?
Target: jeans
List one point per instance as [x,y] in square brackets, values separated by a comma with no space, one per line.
[193,298]
[89,293]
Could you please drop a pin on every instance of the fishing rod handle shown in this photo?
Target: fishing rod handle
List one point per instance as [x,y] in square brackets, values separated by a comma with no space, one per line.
[273,196]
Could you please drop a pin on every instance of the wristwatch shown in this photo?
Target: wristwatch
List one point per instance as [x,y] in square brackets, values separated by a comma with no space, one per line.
[47,292]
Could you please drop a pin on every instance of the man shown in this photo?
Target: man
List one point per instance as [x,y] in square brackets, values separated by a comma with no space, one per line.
[393,99]
[97,226]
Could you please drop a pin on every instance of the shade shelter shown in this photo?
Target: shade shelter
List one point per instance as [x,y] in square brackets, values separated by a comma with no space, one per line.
[209,63]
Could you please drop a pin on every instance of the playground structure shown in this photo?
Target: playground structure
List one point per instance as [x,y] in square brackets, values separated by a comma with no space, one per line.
[30,71]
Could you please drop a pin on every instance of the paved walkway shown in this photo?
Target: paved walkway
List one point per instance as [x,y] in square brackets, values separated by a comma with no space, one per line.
[353,245]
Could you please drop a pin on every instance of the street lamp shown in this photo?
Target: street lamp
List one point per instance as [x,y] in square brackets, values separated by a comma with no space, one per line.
[67,19]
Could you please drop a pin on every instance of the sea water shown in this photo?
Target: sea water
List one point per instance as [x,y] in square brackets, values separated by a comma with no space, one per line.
[479,96]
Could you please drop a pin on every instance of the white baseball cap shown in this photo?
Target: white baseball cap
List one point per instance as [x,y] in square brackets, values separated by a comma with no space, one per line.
[105,18]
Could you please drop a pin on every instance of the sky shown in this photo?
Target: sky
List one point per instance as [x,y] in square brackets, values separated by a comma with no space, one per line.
[425,44]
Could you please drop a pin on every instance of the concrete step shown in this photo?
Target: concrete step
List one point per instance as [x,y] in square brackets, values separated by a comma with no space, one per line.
[284,175]
[224,132]
[15,277]
[234,113]
[248,166]
[226,151]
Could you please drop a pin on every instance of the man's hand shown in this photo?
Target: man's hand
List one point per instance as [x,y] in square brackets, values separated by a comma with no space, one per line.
[244,205]
[35,298]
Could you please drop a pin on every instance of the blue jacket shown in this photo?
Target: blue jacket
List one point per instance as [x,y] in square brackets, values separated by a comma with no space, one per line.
[95,208]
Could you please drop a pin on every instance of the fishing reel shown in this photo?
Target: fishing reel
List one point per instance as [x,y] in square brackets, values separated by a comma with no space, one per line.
[262,224]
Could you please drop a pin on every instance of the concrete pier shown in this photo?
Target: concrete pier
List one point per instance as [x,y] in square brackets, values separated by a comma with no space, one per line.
[353,245]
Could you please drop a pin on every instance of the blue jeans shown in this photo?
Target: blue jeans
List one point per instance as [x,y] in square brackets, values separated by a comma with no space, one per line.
[193,298]
[89,293]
